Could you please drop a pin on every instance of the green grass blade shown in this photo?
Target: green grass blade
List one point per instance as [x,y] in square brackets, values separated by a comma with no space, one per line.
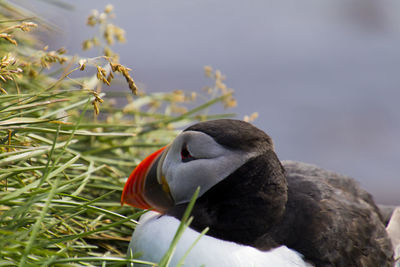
[36,226]
[165,260]
[182,260]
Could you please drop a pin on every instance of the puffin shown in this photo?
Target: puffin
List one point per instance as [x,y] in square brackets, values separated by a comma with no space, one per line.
[259,211]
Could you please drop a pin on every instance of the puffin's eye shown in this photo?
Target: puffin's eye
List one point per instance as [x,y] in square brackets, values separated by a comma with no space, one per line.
[185,154]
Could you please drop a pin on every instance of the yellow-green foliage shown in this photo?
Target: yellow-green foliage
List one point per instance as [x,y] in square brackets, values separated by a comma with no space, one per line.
[66,148]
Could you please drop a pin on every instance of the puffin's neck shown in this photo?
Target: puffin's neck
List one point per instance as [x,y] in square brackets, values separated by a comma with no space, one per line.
[245,205]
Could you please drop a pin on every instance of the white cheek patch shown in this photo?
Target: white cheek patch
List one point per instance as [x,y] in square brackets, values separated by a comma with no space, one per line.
[203,146]
[215,164]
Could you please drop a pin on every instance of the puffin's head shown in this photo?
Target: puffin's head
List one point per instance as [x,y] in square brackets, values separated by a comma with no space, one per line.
[202,155]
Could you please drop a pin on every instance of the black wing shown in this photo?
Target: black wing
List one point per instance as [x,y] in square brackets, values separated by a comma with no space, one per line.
[331,220]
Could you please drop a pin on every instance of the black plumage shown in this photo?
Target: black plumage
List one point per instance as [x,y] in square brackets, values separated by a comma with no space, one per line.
[323,215]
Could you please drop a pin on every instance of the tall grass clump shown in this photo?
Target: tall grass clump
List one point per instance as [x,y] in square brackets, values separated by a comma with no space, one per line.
[67,146]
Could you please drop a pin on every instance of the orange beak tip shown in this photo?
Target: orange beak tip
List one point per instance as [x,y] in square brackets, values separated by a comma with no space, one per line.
[133,192]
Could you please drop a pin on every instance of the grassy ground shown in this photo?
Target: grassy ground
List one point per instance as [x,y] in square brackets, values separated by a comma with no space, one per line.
[66,148]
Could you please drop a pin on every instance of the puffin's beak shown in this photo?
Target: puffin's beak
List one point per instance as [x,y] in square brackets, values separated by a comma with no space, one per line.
[146,187]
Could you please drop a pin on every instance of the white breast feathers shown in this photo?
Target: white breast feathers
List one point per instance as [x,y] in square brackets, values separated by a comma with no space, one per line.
[153,235]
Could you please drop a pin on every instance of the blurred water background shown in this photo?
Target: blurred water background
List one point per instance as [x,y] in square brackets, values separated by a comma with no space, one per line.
[324,76]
